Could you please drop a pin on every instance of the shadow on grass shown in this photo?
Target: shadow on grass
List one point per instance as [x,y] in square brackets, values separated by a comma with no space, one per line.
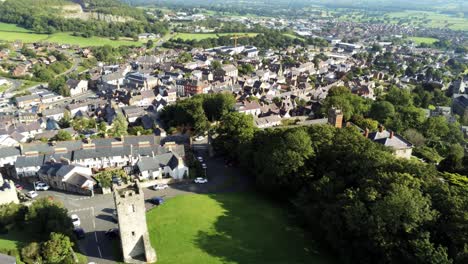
[253,230]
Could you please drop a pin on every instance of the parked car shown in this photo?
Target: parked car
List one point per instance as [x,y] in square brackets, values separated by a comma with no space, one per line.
[200,180]
[116,180]
[115,217]
[112,233]
[200,159]
[156,200]
[204,166]
[75,220]
[19,187]
[79,233]
[41,186]
[32,194]
[199,138]
[160,187]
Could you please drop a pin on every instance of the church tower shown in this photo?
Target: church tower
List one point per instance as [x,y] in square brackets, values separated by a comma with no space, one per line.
[131,213]
[335,117]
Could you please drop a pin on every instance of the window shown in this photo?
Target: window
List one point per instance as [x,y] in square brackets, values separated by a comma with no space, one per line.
[133,233]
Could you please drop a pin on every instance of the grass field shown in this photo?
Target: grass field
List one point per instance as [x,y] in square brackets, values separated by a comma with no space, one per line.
[409,17]
[10,32]
[228,228]
[200,36]
[420,40]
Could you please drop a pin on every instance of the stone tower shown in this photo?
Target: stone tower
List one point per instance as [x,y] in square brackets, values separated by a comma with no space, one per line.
[134,237]
[335,117]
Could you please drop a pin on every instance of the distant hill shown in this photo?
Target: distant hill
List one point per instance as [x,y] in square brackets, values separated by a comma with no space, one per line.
[107,18]
[448,6]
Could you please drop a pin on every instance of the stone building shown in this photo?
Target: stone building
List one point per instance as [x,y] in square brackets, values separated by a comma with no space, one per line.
[335,117]
[7,192]
[134,237]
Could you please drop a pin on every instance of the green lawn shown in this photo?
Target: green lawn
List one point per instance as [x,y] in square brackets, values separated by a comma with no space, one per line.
[10,32]
[229,228]
[200,36]
[14,240]
[3,88]
[420,40]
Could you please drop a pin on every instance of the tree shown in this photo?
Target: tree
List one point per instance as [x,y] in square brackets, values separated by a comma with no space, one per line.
[150,44]
[216,65]
[63,135]
[139,130]
[119,126]
[234,132]
[216,105]
[413,136]
[102,127]
[45,216]
[399,97]
[58,249]
[280,156]
[31,254]
[246,69]
[381,110]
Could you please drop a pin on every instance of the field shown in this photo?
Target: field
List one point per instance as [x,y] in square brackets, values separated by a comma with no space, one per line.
[420,40]
[200,36]
[228,228]
[10,32]
[410,17]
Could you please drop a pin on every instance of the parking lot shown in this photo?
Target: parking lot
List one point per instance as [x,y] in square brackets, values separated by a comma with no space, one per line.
[95,212]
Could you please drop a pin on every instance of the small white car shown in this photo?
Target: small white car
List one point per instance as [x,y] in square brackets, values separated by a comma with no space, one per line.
[160,187]
[32,194]
[200,159]
[75,220]
[204,166]
[200,180]
[41,186]
[199,138]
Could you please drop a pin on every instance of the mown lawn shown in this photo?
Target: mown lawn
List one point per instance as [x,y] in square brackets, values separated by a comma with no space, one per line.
[420,40]
[229,228]
[200,36]
[10,32]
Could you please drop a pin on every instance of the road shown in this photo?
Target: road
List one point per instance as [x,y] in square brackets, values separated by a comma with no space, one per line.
[96,212]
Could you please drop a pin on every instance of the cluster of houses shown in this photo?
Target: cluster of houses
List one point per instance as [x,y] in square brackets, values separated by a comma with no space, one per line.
[21,63]
[69,165]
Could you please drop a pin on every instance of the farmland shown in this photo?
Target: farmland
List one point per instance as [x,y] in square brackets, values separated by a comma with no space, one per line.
[10,32]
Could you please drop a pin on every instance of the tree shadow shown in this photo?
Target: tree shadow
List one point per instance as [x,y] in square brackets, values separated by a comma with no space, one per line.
[253,230]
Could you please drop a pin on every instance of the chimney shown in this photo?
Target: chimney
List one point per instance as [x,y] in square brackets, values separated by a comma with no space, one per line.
[381,128]
[391,134]
[366,133]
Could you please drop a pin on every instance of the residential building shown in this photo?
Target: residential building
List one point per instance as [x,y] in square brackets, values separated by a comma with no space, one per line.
[77,86]
[162,166]
[66,177]
[401,148]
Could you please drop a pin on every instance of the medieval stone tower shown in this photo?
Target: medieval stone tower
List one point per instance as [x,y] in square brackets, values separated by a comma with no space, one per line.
[130,205]
[335,117]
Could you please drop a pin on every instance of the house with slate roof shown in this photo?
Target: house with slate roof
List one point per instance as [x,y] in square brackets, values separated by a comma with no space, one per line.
[66,177]
[401,147]
[167,165]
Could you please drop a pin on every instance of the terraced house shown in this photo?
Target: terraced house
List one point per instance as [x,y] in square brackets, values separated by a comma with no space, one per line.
[28,160]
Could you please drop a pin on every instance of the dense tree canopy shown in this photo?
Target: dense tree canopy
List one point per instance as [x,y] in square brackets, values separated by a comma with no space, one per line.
[365,203]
